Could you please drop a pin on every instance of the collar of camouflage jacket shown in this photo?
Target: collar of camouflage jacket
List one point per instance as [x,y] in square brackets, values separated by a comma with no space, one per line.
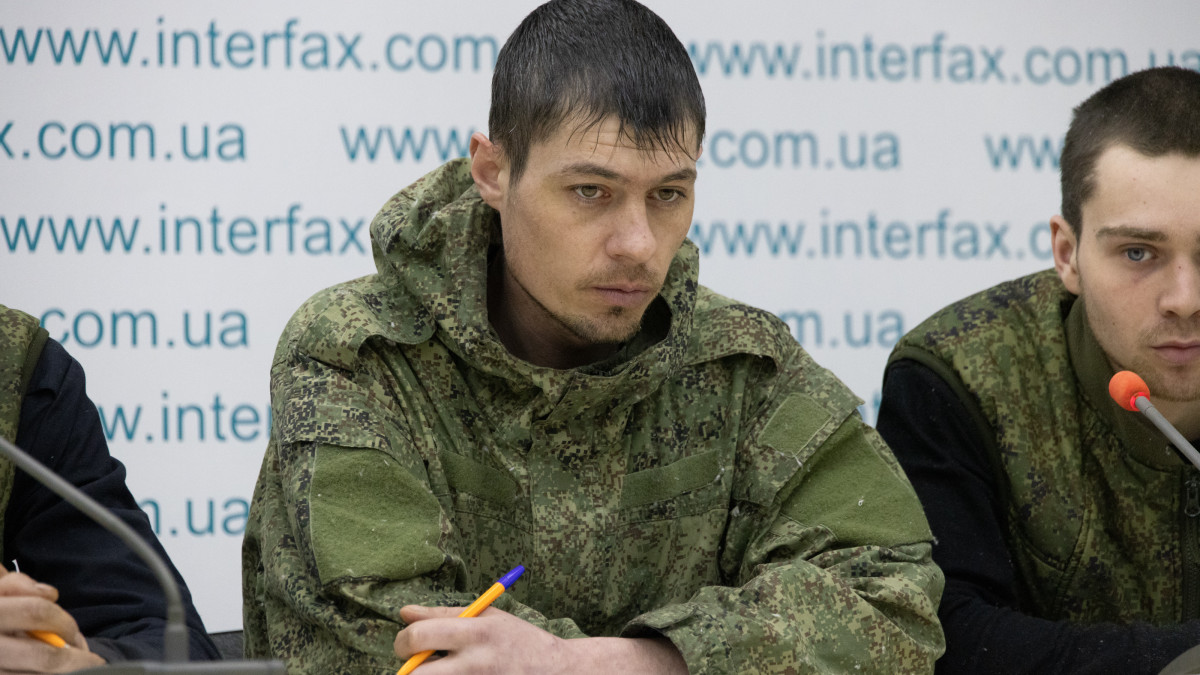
[431,244]
[1093,371]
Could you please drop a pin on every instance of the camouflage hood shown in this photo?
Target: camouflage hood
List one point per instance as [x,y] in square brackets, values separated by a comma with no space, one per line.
[431,246]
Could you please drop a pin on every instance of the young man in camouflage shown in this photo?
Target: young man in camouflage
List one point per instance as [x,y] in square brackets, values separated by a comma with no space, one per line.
[535,377]
[1069,528]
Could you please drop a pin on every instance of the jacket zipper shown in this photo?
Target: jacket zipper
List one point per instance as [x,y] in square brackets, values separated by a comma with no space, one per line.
[1191,546]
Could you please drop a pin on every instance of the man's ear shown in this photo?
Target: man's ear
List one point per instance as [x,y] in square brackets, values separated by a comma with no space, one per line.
[489,168]
[1065,245]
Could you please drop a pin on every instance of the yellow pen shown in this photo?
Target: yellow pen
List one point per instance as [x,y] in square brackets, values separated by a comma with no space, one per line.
[46,636]
[481,603]
[49,637]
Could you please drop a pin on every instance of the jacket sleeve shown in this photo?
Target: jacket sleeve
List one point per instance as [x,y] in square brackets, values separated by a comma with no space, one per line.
[828,557]
[986,632]
[317,622]
[339,459]
[111,594]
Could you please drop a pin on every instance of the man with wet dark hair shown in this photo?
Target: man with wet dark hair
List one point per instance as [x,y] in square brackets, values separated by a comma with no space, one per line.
[1069,528]
[535,377]
[630,67]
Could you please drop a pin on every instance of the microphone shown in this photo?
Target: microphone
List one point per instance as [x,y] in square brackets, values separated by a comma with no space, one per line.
[1131,393]
[175,636]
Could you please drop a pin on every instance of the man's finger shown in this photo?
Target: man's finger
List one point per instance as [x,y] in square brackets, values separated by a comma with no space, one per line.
[20,654]
[440,629]
[413,613]
[421,635]
[15,583]
[24,613]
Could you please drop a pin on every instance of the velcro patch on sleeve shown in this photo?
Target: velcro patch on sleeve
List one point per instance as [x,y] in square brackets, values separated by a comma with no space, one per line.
[370,517]
[795,424]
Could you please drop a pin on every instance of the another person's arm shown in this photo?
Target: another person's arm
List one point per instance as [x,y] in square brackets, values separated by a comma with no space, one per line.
[27,605]
[930,432]
[112,596]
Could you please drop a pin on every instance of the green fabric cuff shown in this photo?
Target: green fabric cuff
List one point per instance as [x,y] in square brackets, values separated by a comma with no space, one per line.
[698,636]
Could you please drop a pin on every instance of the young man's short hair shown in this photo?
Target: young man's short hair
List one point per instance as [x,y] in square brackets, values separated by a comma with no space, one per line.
[1155,112]
[584,60]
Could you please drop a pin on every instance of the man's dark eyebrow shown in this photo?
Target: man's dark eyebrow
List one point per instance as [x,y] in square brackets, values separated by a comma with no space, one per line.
[1131,233]
[590,169]
[682,174]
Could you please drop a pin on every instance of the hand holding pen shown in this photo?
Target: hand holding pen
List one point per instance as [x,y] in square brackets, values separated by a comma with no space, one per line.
[36,635]
[481,603]
[500,642]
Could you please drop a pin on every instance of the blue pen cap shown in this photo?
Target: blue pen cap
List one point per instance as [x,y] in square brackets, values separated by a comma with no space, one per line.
[513,574]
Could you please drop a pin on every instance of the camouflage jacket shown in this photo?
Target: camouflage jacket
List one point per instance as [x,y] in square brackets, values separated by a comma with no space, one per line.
[709,483]
[1095,501]
[21,341]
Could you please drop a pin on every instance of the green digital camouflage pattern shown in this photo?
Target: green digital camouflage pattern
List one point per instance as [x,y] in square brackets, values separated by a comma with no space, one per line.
[710,482]
[1094,495]
[21,340]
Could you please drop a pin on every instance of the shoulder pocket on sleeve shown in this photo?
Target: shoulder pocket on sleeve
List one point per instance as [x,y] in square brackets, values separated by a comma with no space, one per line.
[370,517]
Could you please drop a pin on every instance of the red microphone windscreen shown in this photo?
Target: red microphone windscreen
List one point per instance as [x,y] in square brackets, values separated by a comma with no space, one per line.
[1126,386]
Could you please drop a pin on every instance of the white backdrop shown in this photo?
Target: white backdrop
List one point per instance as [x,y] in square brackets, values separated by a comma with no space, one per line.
[176,177]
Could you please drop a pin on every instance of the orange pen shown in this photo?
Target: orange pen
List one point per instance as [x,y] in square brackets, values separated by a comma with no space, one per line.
[46,636]
[489,596]
[50,638]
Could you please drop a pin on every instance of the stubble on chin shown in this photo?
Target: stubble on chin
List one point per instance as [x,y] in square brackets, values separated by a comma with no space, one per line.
[1164,385]
[616,326]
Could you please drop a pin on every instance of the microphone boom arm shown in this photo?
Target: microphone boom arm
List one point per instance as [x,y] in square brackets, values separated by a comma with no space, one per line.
[1143,404]
[175,638]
